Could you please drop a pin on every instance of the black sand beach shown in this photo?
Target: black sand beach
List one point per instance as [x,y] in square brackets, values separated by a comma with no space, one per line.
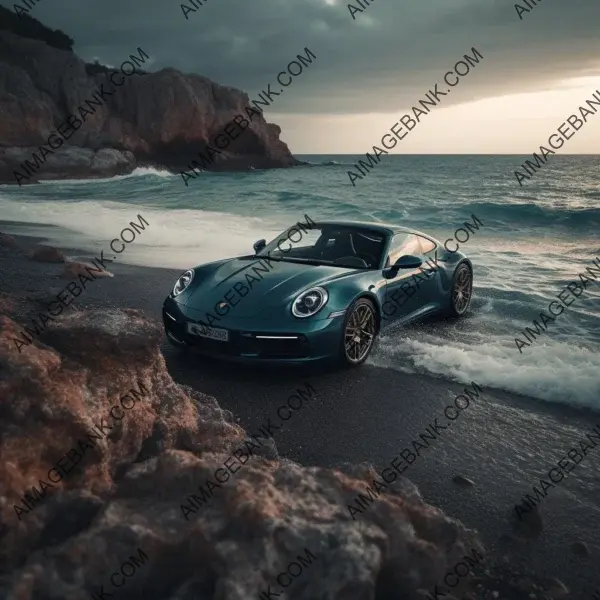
[502,442]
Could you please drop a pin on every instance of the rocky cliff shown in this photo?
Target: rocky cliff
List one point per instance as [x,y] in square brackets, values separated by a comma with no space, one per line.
[162,119]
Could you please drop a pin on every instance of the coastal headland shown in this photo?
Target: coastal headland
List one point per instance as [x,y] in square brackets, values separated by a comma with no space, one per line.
[63,118]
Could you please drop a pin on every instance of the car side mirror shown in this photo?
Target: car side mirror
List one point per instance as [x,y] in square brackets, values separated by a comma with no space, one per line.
[408,261]
[404,262]
[258,246]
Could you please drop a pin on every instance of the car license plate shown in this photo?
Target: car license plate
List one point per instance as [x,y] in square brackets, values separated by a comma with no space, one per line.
[222,335]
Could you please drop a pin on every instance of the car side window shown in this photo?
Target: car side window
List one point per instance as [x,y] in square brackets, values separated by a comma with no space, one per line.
[403,243]
[426,245]
[308,239]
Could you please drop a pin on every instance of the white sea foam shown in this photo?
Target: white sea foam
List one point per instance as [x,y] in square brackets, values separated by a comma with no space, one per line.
[138,172]
[556,372]
[174,238]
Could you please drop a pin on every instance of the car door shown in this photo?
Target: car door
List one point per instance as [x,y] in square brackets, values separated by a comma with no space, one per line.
[404,293]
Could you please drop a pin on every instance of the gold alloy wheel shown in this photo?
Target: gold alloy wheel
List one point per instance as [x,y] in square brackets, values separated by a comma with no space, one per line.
[359,333]
[462,290]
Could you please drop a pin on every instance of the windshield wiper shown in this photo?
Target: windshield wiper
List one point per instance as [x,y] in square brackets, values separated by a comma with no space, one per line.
[270,258]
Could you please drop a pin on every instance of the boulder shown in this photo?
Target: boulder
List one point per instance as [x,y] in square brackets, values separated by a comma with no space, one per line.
[48,254]
[8,241]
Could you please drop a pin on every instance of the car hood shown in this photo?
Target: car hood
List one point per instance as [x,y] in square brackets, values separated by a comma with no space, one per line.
[281,282]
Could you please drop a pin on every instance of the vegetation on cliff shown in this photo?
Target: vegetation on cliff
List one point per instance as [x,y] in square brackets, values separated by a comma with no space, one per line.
[29,27]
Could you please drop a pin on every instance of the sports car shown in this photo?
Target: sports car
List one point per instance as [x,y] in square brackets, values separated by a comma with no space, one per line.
[319,291]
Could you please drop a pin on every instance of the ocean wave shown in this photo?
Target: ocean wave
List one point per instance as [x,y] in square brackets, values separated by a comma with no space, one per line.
[564,372]
[533,214]
[138,172]
[144,171]
[176,238]
[327,163]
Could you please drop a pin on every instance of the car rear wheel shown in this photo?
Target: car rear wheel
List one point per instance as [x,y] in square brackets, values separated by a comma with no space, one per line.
[359,331]
[461,291]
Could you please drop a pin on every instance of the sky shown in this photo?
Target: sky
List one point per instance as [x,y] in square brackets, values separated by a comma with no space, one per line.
[371,64]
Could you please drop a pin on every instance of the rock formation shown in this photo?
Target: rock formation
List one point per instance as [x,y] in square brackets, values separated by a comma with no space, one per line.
[48,254]
[7,241]
[126,494]
[158,119]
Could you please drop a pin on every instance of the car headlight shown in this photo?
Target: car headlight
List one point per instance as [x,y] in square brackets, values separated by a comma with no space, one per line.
[310,302]
[183,282]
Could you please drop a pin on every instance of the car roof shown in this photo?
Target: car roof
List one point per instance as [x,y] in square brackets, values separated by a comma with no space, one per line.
[386,228]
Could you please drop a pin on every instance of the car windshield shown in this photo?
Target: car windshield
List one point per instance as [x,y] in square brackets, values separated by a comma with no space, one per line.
[349,247]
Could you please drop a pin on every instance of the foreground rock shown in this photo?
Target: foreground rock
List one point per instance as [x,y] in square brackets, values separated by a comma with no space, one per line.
[48,254]
[7,241]
[126,494]
[154,119]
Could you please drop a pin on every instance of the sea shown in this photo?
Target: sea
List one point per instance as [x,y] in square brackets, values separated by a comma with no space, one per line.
[534,239]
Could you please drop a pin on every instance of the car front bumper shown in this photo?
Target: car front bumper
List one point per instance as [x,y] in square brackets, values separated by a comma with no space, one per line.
[256,338]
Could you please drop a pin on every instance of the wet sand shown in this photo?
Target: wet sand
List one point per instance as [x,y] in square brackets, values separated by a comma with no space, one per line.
[504,443]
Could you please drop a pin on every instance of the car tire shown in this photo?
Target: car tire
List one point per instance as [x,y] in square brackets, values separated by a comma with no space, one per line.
[351,353]
[461,291]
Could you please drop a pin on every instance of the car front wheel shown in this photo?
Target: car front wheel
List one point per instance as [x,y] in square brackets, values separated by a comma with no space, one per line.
[359,331]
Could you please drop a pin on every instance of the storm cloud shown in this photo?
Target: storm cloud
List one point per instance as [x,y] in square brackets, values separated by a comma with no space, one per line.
[387,56]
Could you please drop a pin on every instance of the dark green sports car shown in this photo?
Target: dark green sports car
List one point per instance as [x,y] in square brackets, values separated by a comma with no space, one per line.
[318,291]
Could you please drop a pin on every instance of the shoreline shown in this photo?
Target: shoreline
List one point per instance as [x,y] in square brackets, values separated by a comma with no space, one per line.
[502,443]
[233,165]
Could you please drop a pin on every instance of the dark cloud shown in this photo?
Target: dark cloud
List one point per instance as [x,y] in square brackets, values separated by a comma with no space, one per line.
[387,58]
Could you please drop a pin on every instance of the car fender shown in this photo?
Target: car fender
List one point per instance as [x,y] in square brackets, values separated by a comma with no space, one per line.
[342,293]
[448,263]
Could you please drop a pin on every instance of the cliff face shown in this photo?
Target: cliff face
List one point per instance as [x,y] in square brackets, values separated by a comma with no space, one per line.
[159,119]
[84,486]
